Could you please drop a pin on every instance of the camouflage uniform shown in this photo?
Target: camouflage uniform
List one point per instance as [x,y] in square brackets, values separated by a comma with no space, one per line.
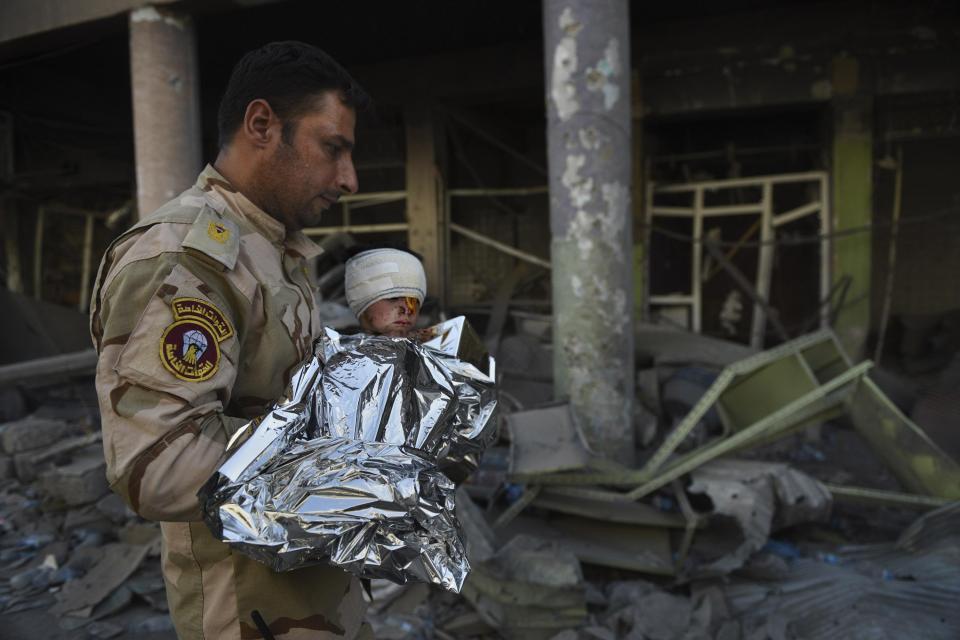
[200,313]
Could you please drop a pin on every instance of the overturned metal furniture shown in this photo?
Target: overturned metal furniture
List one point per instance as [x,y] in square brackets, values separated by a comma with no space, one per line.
[777,392]
[759,399]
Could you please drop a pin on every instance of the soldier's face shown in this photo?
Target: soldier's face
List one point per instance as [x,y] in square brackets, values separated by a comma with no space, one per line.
[312,166]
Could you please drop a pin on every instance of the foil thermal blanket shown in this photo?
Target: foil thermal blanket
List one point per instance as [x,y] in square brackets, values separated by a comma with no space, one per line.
[353,467]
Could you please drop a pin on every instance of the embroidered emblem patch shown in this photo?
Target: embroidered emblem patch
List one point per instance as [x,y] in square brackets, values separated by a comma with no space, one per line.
[190,347]
[218,232]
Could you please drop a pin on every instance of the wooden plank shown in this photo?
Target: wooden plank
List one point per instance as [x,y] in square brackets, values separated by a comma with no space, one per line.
[38,255]
[764,273]
[357,228]
[500,191]
[80,363]
[87,263]
[697,262]
[423,195]
[11,247]
[499,246]
[796,214]
[733,210]
[673,212]
[637,196]
[826,248]
[780,178]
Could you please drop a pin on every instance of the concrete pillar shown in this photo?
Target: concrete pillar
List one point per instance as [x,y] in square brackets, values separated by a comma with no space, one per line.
[638,194]
[425,234]
[587,65]
[9,221]
[166,105]
[852,190]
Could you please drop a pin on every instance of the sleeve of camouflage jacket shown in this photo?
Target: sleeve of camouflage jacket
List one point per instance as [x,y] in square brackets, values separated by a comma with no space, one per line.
[163,435]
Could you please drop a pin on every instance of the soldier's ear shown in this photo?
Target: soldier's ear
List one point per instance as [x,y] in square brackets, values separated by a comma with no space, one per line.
[260,123]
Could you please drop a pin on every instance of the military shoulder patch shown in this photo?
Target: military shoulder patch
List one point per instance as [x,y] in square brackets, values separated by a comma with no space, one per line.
[190,346]
[215,236]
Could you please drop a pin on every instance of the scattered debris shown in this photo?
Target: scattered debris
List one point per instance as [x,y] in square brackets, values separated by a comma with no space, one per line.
[566,545]
[70,549]
[30,433]
[528,588]
[908,589]
[545,440]
[760,497]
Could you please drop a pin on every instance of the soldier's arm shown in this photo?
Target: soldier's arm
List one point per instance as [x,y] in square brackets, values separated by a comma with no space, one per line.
[164,377]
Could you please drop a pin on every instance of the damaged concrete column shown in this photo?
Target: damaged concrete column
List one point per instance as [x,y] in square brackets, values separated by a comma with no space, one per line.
[852,187]
[166,105]
[587,54]
[9,221]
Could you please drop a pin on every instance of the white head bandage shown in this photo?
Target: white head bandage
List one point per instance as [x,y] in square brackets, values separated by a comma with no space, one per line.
[383,273]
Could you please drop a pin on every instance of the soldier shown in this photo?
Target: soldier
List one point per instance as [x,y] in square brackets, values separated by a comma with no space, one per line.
[201,312]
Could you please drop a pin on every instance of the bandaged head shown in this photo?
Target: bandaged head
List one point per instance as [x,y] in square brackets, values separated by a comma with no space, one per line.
[383,273]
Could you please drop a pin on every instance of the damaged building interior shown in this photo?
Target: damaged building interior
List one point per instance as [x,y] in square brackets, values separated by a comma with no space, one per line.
[713,248]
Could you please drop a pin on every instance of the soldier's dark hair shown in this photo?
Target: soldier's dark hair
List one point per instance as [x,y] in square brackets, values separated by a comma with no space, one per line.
[289,76]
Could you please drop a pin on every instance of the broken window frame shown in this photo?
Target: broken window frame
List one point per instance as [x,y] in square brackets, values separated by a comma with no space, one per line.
[770,222]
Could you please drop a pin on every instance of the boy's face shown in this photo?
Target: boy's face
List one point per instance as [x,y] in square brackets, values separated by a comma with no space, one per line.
[394,317]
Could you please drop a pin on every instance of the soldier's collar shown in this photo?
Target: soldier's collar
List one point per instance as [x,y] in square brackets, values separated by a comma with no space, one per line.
[301,244]
[210,180]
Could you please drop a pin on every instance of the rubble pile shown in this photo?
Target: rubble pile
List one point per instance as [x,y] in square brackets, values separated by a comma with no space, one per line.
[783,494]
[779,494]
[73,558]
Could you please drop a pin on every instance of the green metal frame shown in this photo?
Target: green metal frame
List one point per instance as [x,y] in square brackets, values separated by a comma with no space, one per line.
[771,394]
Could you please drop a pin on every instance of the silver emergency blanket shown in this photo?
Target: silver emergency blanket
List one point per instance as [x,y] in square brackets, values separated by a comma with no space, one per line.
[353,466]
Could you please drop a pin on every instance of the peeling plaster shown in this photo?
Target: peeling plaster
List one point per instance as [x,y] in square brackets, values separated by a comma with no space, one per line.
[600,77]
[576,284]
[616,196]
[591,139]
[580,188]
[568,23]
[150,14]
[606,227]
[563,90]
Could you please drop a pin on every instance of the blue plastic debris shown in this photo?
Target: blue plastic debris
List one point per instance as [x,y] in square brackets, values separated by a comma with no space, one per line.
[512,492]
[783,549]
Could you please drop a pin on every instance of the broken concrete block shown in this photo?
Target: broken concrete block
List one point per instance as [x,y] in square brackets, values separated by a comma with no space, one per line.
[545,441]
[104,630]
[118,563]
[80,482]
[30,464]
[90,518]
[31,433]
[530,589]
[6,467]
[153,624]
[12,404]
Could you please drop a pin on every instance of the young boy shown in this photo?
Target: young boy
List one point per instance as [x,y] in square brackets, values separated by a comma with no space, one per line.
[385,288]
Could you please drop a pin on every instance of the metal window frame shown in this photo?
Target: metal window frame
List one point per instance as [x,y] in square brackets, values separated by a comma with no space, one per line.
[770,222]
